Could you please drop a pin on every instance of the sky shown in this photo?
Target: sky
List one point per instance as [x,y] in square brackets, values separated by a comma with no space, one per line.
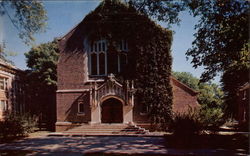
[64,15]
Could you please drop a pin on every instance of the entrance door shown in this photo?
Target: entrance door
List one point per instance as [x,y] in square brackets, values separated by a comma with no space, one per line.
[112,111]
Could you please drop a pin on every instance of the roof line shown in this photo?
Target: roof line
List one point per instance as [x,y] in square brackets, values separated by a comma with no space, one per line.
[192,90]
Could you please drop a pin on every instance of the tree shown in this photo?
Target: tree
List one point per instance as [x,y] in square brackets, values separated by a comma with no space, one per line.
[41,81]
[28,17]
[222,32]
[166,11]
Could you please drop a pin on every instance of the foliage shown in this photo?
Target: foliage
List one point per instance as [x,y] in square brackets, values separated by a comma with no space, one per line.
[234,77]
[186,124]
[211,118]
[42,62]
[17,125]
[188,79]
[222,32]
[149,53]
[41,81]
[29,17]
[166,11]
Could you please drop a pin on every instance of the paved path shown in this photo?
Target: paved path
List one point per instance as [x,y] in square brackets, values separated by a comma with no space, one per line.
[44,145]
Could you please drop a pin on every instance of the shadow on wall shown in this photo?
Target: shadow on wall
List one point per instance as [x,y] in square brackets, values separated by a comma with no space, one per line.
[73,115]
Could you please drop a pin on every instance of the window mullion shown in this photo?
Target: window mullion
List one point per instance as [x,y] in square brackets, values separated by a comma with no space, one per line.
[97,55]
[118,55]
[106,60]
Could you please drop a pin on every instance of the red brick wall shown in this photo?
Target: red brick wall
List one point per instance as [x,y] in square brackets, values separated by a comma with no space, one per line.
[67,107]
[71,70]
[183,97]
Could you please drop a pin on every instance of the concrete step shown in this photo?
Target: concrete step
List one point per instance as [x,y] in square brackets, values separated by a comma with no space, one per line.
[106,129]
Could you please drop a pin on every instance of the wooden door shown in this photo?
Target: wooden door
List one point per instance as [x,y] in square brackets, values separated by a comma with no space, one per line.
[112,111]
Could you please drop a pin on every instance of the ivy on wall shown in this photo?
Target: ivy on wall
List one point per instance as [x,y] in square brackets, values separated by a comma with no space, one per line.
[149,56]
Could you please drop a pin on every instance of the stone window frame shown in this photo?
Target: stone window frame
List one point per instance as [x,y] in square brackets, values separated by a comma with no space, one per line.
[100,47]
[79,112]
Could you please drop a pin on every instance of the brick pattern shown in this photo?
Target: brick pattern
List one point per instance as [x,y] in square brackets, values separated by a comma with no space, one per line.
[67,107]
[183,97]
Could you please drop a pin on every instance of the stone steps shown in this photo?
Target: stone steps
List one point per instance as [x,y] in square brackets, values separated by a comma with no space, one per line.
[106,129]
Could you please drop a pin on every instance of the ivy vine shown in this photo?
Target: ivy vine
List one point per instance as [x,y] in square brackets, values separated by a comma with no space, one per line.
[149,53]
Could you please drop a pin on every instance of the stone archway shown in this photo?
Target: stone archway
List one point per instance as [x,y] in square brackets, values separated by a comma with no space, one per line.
[111,111]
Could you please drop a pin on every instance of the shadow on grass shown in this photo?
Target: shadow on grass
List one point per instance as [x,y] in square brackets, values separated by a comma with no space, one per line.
[208,141]
[14,152]
[10,139]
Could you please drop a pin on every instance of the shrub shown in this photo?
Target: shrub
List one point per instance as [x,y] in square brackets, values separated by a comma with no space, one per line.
[186,124]
[17,125]
[211,118]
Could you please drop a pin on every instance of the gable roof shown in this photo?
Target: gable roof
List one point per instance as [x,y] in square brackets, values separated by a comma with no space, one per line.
[184,86]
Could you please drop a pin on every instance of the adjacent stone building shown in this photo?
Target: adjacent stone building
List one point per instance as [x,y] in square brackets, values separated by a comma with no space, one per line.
[88,91]
[11,92]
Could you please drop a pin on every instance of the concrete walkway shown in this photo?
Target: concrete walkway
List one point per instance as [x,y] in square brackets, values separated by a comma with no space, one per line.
[44,145]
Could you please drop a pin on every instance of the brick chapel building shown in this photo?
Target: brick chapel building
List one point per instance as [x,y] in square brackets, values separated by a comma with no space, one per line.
[89,92]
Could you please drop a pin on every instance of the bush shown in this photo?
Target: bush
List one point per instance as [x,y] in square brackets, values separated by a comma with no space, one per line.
[186,124]
[15,125]
[211,118]
[196,120]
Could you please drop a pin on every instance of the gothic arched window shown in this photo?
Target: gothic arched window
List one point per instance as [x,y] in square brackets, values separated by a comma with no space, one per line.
[103,61]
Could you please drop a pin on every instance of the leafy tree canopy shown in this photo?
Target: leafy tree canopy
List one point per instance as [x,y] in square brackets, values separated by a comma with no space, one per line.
[222,32]
[166,11]
[29,17]
[42,61]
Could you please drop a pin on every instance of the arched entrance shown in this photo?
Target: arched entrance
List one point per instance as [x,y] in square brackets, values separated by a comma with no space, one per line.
[111,111]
